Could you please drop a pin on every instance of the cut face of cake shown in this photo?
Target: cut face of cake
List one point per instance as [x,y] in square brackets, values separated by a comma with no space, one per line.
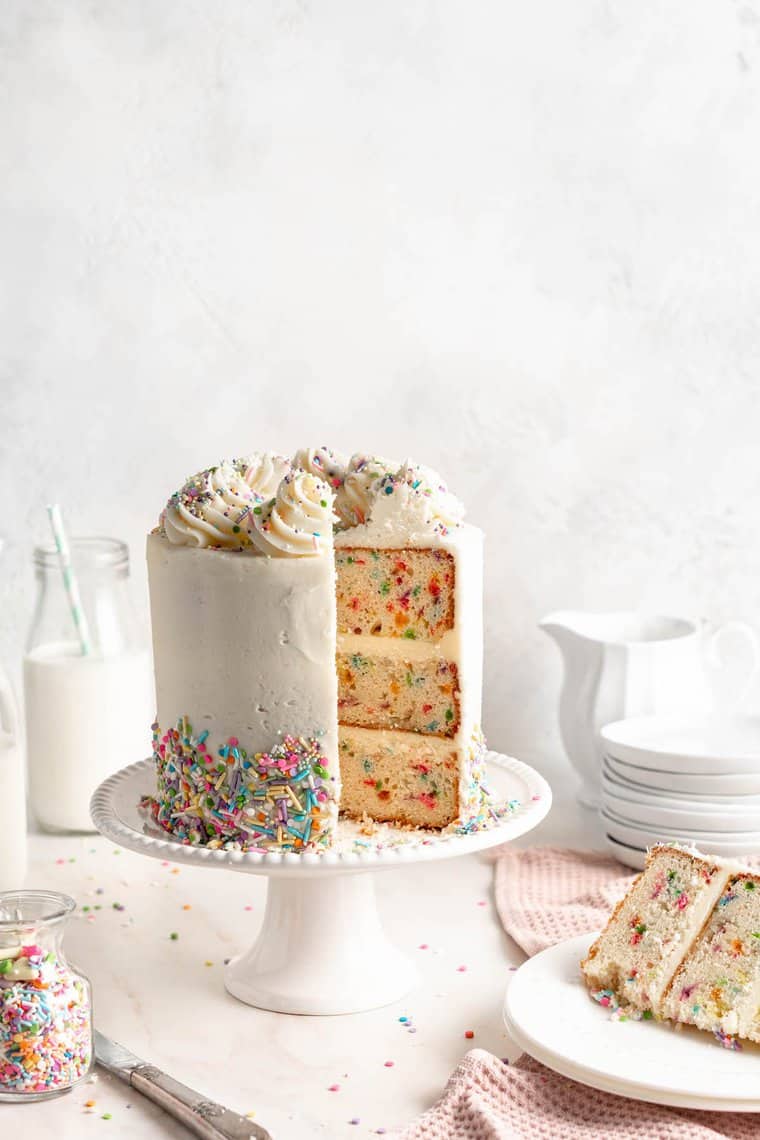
[717,987]
[652,929]
[317,634]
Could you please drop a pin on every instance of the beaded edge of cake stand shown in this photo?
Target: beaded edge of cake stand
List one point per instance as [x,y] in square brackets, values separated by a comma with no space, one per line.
[284,799]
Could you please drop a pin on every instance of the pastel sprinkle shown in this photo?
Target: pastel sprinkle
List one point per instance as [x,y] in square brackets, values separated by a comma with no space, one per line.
[469,1034]
[333,1088]
[389,1064]
[174,936]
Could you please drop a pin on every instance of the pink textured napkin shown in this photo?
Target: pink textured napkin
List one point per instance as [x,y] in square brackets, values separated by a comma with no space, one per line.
[544,895]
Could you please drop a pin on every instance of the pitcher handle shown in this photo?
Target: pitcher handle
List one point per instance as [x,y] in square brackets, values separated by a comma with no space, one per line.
[716,659]
[8,715]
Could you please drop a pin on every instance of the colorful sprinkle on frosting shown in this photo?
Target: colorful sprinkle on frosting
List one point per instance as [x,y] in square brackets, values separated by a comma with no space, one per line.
[239,800]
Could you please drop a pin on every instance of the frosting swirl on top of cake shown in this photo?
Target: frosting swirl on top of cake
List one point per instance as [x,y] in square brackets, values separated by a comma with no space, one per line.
[264,472]
[355,497]
[299,520]
[213,508]
[266,504]
[322,462]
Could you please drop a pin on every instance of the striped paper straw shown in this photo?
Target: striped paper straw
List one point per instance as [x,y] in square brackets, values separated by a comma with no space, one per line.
[69,578]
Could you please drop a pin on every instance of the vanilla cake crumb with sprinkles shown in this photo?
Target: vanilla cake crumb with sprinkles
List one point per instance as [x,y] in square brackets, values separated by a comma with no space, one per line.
[683,945]
[317,635]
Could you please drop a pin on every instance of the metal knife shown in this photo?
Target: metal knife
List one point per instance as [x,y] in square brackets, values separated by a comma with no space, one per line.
[203,1117]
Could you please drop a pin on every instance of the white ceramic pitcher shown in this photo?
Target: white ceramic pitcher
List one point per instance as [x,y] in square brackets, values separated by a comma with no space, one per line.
[619,665]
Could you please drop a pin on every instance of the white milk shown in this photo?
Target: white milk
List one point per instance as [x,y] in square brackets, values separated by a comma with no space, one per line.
[13,800]
[86,717]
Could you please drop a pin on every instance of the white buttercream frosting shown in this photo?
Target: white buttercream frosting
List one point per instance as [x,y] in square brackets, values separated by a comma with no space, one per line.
[357,493]
[213,508]
[299,520]
[266,504]
[322,462]
[264,473]
[411,504]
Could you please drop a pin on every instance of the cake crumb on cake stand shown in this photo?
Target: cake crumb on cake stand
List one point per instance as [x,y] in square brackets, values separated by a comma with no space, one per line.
[322,948]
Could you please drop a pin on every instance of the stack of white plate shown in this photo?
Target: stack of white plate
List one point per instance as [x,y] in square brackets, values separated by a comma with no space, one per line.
[697,782]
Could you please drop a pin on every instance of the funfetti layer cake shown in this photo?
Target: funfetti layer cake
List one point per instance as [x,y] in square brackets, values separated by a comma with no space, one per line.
[312,615]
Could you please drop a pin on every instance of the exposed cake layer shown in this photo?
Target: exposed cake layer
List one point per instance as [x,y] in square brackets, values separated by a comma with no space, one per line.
[401,776]
[651,929]
[404,592]
[717,987]
[378,690]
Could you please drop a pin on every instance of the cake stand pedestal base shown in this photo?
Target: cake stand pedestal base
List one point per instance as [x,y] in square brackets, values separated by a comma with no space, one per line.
[321,950]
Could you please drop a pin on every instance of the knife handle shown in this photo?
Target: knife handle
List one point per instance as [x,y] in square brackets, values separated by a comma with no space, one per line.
[203,1117]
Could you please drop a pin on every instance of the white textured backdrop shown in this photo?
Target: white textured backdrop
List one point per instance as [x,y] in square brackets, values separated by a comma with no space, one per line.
[520,242]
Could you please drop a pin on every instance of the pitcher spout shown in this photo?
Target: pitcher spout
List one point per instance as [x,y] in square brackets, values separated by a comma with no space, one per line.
[566,626]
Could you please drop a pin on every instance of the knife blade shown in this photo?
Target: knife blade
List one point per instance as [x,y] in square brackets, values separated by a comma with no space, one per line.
[205,1118]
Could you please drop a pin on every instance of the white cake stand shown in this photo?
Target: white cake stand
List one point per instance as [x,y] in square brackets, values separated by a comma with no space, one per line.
[322,948]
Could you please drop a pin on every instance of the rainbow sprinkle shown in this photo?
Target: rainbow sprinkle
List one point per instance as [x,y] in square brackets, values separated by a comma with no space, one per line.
[45,1023]
[285,799]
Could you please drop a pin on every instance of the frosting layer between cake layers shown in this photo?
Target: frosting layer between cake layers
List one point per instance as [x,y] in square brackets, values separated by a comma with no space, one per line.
[244,649]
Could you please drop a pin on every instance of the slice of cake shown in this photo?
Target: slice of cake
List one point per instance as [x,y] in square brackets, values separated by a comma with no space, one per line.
[717,986]
[265,638]
[651,930]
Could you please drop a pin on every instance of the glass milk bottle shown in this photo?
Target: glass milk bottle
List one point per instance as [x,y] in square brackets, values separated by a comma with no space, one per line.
[87,715]
[45,1004]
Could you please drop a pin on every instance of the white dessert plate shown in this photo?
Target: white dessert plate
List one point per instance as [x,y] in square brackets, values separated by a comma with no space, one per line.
[116,813]
[651,811]
[549,1014]
[711,745]
[694,801]
[626,853]
[732,846]
[679,783]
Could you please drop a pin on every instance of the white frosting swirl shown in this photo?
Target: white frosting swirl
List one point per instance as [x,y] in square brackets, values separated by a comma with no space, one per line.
[213,508]
[264,472]
[323,463]
[355,497]
[444,507]
[299,521]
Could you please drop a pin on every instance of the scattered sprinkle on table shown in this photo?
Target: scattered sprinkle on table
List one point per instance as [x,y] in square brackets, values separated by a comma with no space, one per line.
[187,906]
[89,1104]
[461,969]
[482,902]
[247,908]
[106,1116]
[208,963]
[118,906]
[333,1088]
[403,1019]
[389,1064]
[174,936]
[355,1120]
[423,946]
[469,1034]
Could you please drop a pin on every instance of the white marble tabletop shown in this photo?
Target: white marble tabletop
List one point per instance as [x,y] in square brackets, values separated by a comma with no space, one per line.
[300,1077]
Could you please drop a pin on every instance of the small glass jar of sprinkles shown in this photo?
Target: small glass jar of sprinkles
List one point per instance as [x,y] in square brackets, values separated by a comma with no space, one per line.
[45,1005]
